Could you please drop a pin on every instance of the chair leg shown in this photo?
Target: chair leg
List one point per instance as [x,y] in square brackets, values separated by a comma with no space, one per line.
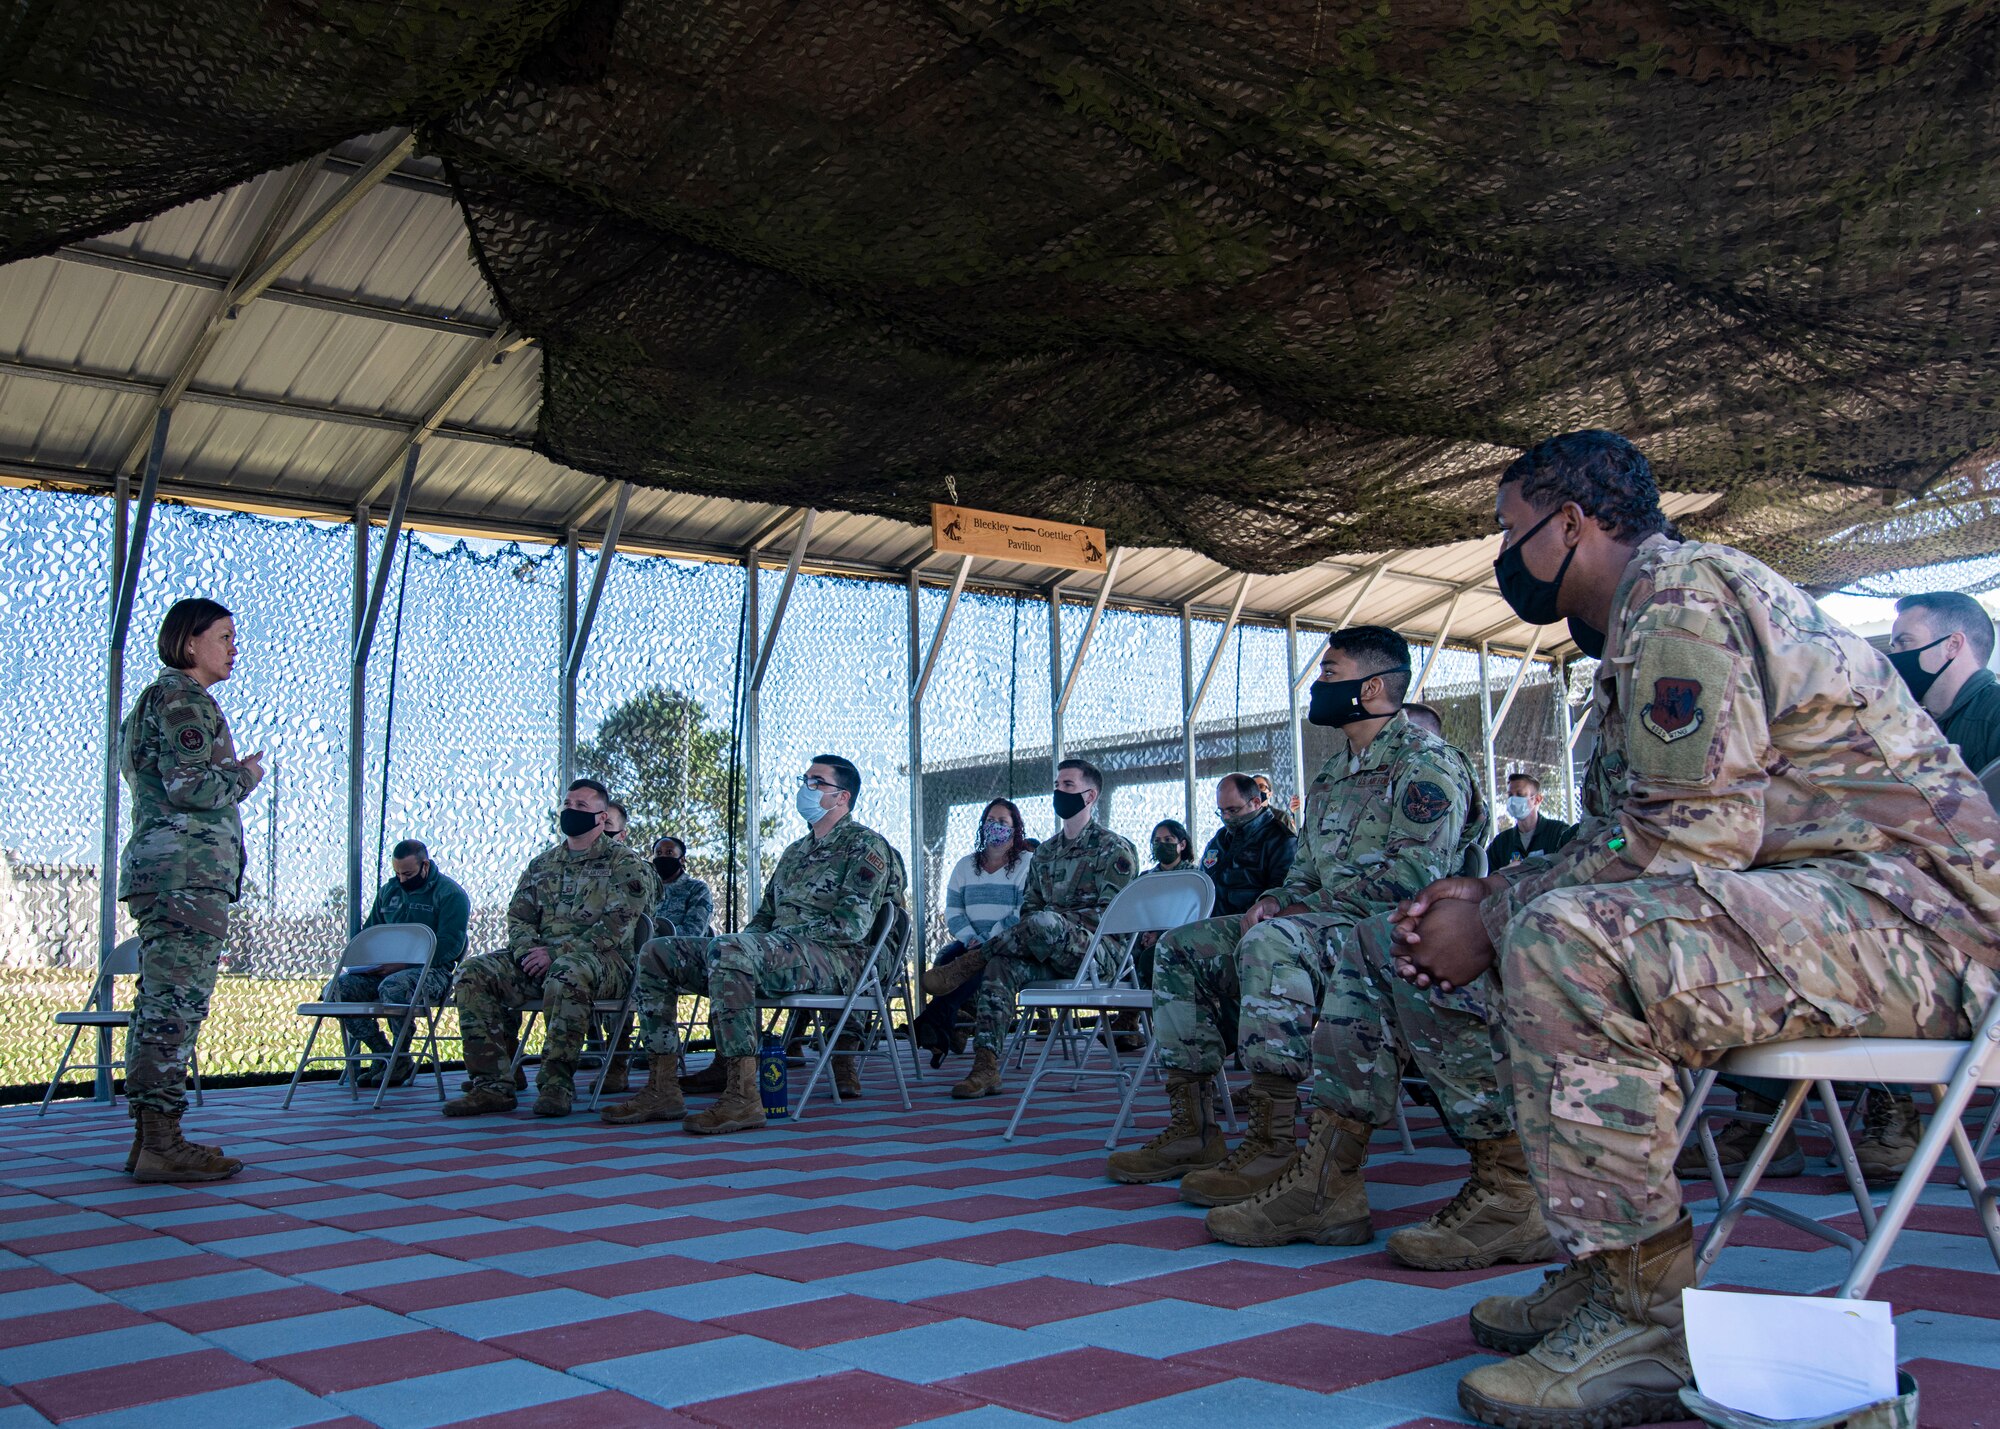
[62,1065]
[1131,1092]
[612,1053]
[890,1047]
[304,1058]
[1733,1207]
[1403,1122]
[397,1046]
[1944,1127]
[1844,1157]
[1041,1065]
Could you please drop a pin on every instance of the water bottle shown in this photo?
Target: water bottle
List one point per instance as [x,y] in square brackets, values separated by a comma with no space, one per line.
[773,1081]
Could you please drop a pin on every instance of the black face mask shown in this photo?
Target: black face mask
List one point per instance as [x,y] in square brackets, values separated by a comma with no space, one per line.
[668,868]
[1165,851]
[1909,665]
[1336,703]
[1068,805]
[411,885]
[1527,594]
[1589,639]
[578,822]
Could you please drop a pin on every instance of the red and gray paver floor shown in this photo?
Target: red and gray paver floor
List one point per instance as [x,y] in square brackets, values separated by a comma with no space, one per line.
[868,1267]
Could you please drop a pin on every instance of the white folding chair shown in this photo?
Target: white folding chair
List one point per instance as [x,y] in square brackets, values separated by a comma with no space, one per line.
[1952,1070]
[123,962]
[1105,983]
[618,1009]
[888,943]
[385,943]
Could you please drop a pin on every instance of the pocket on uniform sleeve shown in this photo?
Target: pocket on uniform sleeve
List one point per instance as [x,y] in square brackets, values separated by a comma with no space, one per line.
[1606,1119]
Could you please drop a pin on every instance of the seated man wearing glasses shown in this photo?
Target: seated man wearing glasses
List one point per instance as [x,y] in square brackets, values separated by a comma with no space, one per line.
[810,934]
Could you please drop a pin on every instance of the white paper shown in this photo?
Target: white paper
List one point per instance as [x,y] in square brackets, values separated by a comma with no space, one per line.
[1790,1356]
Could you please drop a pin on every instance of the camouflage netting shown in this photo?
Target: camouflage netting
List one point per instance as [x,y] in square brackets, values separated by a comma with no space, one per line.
[1272,281]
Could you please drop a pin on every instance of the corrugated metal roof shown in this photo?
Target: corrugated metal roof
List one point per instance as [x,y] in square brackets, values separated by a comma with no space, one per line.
[307,398]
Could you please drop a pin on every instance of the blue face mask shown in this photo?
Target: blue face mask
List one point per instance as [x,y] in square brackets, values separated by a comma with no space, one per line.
[808,801]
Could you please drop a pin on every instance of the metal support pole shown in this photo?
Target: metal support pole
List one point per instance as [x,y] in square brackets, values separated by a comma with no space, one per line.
[579,640]
[1292,705]
[919,913]
[769,639]
[1573,812]
[367,614]
[1090,629]
[1437,648]
[1486,729]
[1055,678]
[565,693]
[753,851]
[1514,685]
[128,555]
[1187,713]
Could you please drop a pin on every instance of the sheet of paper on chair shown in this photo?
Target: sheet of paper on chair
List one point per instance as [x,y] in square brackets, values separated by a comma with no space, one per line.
[1790,1356]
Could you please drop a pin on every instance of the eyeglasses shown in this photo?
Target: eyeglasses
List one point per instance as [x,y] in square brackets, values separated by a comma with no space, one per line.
[817,784]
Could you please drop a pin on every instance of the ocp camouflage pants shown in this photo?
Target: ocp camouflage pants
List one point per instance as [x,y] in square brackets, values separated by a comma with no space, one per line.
[397,986]
[181,937]
[733,971]
[1610,987]
[1196,993]
[1285,965]
[1042,946]
[1371,1022]
[492,985]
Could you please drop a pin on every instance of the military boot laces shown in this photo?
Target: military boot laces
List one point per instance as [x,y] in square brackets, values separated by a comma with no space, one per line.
[1188,1140]
[1890,1131]
[1515,1324]
[739,1108]
[1320,1197]
[165,1155]
[1494,1217]
[660,1100]
[1266,1152]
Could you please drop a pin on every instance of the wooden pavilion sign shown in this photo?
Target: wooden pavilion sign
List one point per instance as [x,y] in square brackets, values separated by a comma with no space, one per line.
[961,531]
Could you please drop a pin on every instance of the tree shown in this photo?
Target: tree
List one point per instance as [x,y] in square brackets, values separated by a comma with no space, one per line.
[657,753]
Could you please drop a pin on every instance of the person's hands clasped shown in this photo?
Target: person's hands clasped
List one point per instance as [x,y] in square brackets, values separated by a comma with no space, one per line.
[253,765]
[1441,939]
[535,961]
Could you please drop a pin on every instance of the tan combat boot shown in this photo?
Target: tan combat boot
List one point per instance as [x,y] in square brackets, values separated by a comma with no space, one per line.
[846,1076]
[950,977]
[482,1059]
[138,1139]
[1495,1217]
[984,1078]
[1617,1359]
[1187,1142]
[1515,1324]
[1736,1141]
[1890,1131]
[739,1108]
[554,1100]
[1320,1198]
[660,1101]
[164,1155]
[617,1063]
[1269,1144]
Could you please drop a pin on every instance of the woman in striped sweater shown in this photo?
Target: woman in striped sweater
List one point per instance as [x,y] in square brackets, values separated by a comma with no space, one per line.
[982,897]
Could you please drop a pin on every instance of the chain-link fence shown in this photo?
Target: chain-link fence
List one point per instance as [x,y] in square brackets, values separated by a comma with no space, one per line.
[463,705]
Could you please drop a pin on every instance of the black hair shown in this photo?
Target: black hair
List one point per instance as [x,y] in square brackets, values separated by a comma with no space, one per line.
[1381,647]
[411,848]
[1092,775]
[1952,612]
[1017,845]
[1180,833]
[1608,478]
[1244,785]
[185,620]
[844,774]
[602,792]
[1526,778]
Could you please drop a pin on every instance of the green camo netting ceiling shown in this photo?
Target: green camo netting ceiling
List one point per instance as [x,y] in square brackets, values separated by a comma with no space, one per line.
[1272,281]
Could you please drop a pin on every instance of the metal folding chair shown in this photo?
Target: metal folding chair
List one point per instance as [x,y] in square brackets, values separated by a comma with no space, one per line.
[123,962]
[889,942]
[1952,1070]
[618,1009]
[1105,983]
[386,943]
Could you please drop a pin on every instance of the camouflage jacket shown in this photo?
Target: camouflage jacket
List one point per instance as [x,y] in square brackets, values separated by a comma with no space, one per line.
[1078,877]
[1377,829]
[180,764]
[685,908]
[440,905]
[572,902]
[1742,728]
[827,891]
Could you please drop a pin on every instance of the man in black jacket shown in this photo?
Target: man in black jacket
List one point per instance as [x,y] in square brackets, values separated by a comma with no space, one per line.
[1531,833]
[1251,852]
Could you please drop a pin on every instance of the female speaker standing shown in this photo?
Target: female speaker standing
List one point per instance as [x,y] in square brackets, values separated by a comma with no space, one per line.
[182,868]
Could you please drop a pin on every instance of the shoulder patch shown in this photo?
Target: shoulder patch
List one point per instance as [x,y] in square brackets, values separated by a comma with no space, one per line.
[192,739]
[1425,802]
[1675,711]
[1122,864]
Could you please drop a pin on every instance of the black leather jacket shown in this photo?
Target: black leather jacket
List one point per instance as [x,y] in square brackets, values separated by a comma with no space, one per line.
[1244,863]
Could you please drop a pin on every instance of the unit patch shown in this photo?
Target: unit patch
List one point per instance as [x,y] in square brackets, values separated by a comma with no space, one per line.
[1675,712]
[1425,802]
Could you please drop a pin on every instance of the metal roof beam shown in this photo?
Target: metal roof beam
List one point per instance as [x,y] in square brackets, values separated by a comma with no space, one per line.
[340,304]
[490,351]
[263,406]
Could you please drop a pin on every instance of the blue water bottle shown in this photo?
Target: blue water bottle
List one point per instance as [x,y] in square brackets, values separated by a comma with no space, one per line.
[773,1081]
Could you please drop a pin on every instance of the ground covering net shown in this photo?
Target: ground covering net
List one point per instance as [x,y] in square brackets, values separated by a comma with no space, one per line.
[1272,281]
